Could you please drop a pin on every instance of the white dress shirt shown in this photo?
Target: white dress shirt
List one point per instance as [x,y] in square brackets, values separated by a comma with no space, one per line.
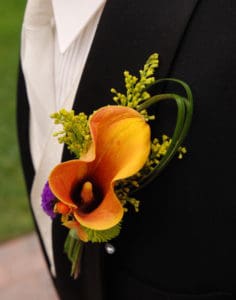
[56,39]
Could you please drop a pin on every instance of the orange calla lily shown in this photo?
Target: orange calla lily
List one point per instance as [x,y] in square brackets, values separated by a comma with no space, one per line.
[120,147]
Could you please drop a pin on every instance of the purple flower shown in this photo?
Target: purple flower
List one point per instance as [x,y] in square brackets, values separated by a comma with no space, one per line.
[48,201]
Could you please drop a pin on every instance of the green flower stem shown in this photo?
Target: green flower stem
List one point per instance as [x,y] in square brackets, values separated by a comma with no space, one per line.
[184,117]
[73,247]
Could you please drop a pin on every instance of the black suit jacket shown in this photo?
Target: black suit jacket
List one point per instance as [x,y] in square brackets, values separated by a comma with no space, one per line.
[182,244]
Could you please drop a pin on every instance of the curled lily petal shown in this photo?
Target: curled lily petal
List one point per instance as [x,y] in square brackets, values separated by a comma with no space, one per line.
[121,143]
[64,177]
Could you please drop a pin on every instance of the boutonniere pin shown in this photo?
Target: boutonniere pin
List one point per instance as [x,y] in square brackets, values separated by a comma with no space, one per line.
[115,156]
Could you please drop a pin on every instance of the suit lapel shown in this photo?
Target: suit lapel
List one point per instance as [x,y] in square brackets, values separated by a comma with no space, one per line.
[128,32]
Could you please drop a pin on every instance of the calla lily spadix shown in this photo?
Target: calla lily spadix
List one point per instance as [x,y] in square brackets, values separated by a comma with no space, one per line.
[120,147]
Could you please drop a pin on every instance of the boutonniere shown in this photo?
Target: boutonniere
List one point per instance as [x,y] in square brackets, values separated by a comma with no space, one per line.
[115,156]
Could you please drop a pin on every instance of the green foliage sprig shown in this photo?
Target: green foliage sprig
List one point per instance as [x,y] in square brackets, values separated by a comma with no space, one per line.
[100,236]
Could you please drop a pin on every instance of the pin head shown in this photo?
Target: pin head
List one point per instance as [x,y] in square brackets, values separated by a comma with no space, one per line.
[110,249]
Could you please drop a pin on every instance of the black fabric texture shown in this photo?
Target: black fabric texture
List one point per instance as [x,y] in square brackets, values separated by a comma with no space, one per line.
[118,46]
[181,245]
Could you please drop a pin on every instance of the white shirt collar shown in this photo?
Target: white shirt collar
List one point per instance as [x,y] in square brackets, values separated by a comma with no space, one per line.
[71,17]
